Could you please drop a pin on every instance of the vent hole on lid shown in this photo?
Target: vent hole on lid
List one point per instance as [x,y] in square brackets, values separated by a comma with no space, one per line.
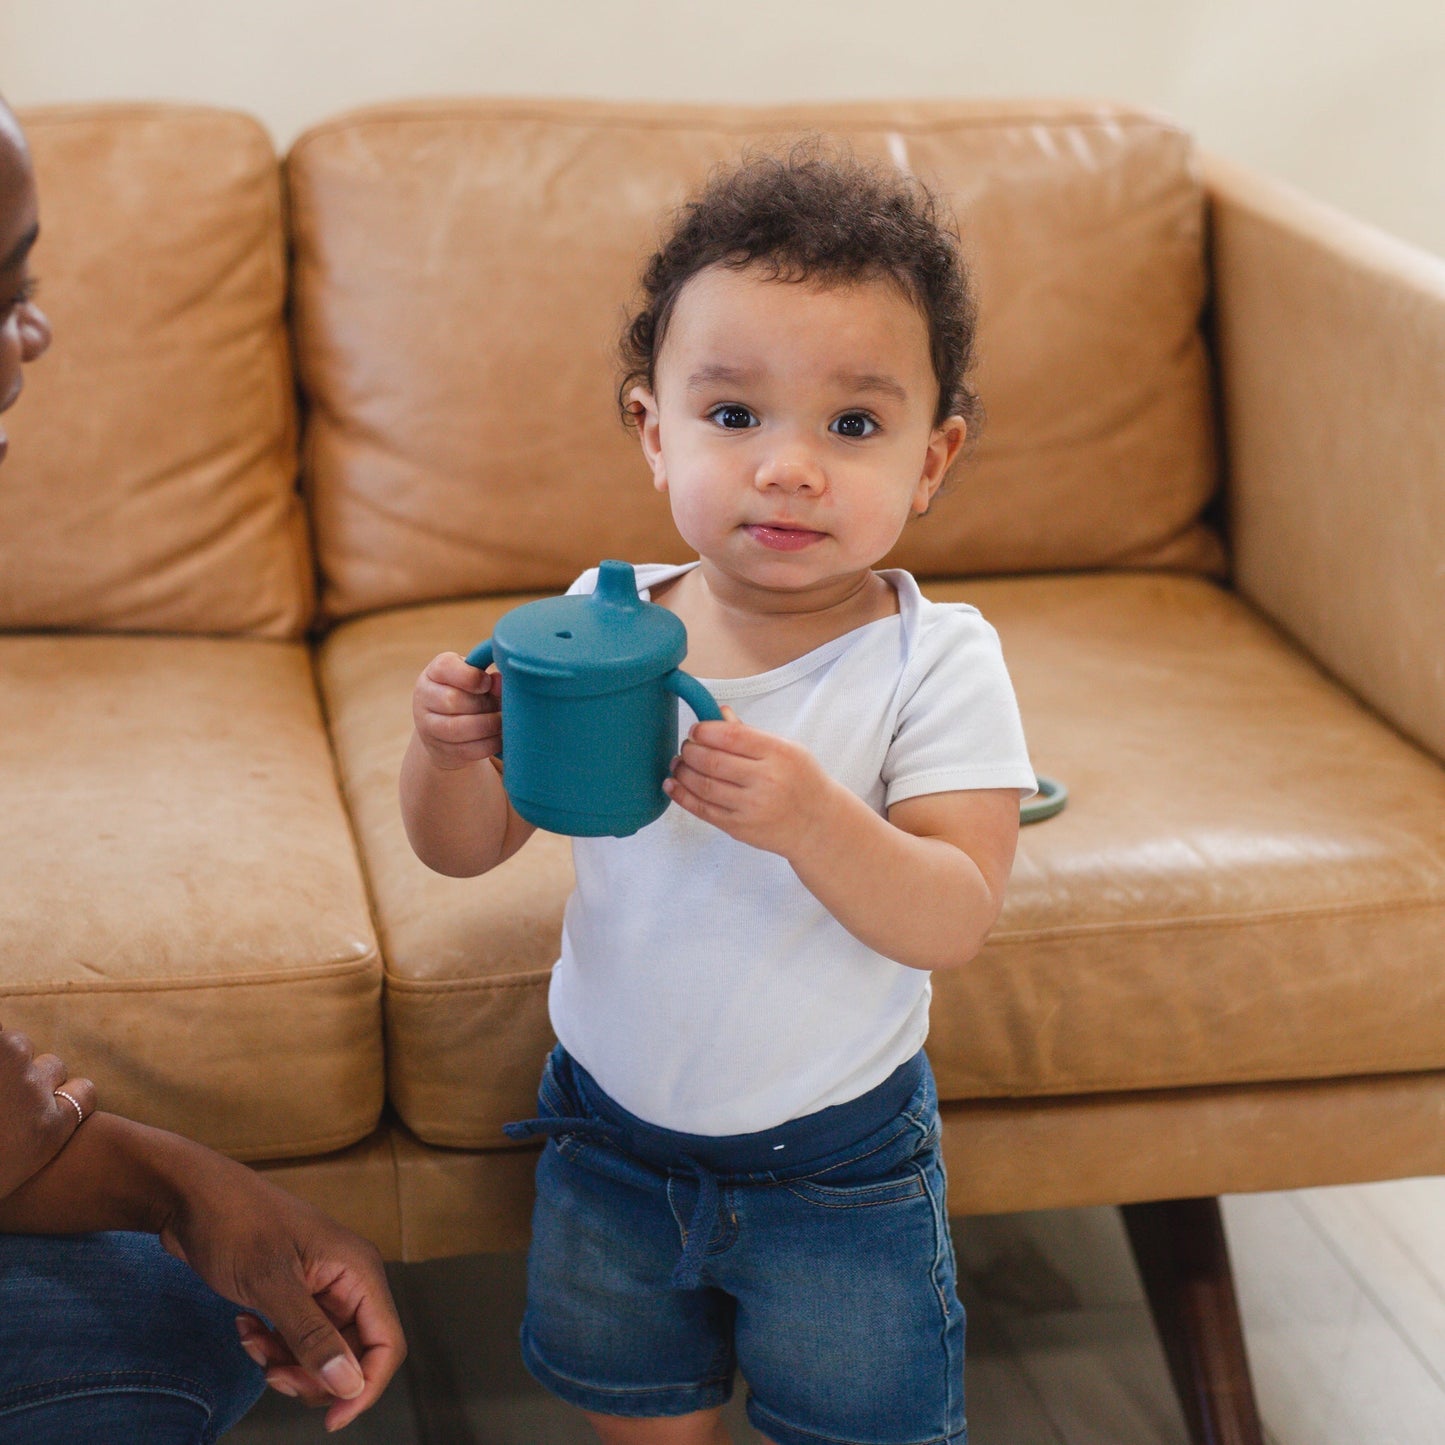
[564,634]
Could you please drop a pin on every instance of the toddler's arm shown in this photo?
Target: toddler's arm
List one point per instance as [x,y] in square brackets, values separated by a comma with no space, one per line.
[922,886]
[455,809]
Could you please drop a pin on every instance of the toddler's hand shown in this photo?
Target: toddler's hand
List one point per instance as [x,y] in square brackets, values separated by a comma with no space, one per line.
[758,788]
[457,710]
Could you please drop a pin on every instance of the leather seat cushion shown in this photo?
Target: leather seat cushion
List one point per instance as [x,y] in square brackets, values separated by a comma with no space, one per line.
[1248,884]
[185,918]
[467,960]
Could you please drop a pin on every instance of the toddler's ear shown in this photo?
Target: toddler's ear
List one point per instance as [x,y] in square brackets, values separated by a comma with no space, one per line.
[943,447]
[643,406]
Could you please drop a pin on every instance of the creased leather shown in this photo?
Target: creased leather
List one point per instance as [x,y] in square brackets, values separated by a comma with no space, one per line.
[1248,883]
[1003,1156]
[1217,970]
[182,911]
[467,960]
[456,347]
[1331,339]
[151,481]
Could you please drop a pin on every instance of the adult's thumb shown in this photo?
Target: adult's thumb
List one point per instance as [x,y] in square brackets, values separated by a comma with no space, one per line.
[319,1349]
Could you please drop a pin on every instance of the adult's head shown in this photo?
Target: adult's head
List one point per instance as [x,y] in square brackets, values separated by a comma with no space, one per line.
[24,331]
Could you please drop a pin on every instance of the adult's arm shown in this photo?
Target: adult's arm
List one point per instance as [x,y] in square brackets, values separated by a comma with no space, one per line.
[336,1335]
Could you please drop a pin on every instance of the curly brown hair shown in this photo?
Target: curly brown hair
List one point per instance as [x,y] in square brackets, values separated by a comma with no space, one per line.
[817,214]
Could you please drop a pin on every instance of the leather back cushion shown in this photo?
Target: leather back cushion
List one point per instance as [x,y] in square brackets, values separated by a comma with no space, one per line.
[151,479]
[461,271]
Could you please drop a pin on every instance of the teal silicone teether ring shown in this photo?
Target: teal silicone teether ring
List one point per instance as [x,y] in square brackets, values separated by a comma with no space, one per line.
[1050,799]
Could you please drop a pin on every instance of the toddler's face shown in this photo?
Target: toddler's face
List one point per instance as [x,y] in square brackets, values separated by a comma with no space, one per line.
[792,425]
[24,331]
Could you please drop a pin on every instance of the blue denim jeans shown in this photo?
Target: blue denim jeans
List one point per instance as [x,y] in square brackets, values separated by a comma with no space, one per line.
[105,1339]
[814,1257]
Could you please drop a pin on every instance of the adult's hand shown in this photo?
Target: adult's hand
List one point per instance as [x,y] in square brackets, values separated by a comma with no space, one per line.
[35,1122]
[335,1338]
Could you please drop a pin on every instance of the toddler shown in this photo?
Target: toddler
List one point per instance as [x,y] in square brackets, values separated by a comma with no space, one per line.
[743,1168]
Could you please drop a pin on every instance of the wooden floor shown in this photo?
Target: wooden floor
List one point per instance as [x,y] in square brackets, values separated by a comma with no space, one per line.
[1342,1291]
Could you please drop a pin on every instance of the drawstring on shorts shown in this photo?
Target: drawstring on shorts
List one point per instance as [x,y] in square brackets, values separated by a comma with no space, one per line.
[756,1157]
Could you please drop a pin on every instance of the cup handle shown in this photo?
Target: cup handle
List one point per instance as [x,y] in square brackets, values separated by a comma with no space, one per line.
[694,694]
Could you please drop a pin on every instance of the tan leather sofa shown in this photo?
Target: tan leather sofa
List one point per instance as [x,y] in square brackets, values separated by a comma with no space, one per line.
[1207,517]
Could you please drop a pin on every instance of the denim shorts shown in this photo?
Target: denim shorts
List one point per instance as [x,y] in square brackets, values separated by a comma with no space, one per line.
[106,1338]
[661,1263]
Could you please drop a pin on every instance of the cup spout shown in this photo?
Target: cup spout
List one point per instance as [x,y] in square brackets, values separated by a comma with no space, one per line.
[617,585]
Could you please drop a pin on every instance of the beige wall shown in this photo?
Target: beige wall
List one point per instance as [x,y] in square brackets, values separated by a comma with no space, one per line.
[1344,97]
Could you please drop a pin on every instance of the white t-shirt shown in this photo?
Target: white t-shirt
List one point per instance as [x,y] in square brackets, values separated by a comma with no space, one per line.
[700,983]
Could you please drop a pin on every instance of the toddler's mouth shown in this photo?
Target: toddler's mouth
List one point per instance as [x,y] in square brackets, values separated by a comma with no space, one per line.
[783,538]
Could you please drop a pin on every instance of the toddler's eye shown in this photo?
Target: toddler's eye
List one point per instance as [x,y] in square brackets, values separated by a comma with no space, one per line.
[732,416]
[855,424]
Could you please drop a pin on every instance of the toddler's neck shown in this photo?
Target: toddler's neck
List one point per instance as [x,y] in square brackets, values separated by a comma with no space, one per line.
[740,632]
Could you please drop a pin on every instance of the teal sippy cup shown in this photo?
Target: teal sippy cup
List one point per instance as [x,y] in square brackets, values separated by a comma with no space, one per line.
[590,687]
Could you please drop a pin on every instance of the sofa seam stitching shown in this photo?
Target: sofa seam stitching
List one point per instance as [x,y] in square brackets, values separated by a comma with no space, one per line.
[1102,119]
[1220,920]
[308,973]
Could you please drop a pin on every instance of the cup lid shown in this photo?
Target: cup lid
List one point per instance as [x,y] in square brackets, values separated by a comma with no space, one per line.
[591,643]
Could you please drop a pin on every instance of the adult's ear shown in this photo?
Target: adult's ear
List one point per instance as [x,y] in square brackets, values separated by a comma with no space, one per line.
[643,405]
[34,332]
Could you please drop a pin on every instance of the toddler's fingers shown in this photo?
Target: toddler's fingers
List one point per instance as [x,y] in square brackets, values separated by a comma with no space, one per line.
[731,735]
[462,727]
[696,804]
[730,768]
[721,792]
[453,670]
[446,700]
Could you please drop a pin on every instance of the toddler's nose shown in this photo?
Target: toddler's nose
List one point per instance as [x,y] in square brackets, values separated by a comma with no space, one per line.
[793,469]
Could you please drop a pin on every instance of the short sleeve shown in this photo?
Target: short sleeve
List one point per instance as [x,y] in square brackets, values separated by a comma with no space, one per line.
[958,724]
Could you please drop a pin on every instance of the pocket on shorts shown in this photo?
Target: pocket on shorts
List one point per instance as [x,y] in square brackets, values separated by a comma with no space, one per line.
[858,1196]
[890,1173]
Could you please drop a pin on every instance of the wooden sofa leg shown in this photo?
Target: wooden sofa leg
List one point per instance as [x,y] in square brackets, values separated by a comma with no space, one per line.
[1183,1260]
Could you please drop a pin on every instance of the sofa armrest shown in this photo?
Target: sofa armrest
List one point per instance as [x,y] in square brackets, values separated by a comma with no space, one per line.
[1331,346]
